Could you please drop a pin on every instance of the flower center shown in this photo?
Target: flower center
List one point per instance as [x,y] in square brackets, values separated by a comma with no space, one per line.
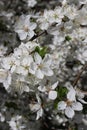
[25,28]
[69,103]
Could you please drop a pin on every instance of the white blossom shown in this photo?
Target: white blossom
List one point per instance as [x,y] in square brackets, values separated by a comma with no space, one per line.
[31,3]
[41,67]
[25,28]
[2,117]
[70,107]
[5,78]
[19,84]
[49,17]
[37,107]
[15,123]
[50,90]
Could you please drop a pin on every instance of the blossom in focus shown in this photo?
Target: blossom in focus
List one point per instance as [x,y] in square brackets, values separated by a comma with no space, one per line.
[50,17]
[70,105]
[50,90]
[10,63]
[25,28]
[23,68]
[41,67]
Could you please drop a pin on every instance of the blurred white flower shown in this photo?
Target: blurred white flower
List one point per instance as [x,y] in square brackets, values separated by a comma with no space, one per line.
[82,55]
[5,78]
[16,123]
[37,107]
[19,84]
[31,3]
[82,16]
[70,11]
[2,117]
[49,17]
[3,50]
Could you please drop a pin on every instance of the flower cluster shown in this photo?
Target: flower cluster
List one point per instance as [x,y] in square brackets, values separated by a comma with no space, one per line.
[48,70]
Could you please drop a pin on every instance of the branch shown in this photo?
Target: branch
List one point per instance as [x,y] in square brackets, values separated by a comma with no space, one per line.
[36,36]
[79,74]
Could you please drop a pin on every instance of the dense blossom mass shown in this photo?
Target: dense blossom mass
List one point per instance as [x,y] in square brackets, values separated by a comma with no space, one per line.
[46,71]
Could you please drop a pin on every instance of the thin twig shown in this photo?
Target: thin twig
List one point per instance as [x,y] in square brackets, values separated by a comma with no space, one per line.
[36,36]
[79,74]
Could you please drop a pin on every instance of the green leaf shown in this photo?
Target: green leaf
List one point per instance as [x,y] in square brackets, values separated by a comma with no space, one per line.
[37,49]
[56,103]
[62,91]
[68,38]
[41,51]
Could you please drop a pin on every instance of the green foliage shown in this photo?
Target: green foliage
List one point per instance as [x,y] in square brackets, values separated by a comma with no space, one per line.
[56,103]
[41,51]
[62,91]
[68,38]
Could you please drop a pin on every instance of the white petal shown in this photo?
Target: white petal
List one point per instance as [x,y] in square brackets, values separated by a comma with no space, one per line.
[27,60]
[84,121]
[61,105]
[3,75]
[21,70]
[82,101]
[38,99]
[13,68]
[34,107]
[6,85]
[22,34]
[47,71]
[33,26]
[2,118]
[12,124]
[71,95]
[26,88]
[69,112]
[42,88]
[52,95]
[39,114]
[30,34]
[44,25]
[47,60]
[27,20]
[37,58]
[39,74]
[54,85]
[7,82]
[32,68]
[77,106]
